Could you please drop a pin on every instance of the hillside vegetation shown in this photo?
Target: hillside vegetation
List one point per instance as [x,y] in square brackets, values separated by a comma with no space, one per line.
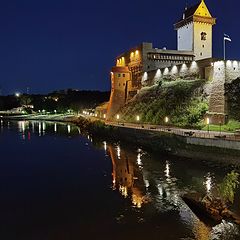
[182,101]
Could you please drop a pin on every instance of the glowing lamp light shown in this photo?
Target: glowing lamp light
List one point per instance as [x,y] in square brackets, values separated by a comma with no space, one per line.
[138,118]
[104,115]
[208,120]
[166,119]
[118,117]
[17,94]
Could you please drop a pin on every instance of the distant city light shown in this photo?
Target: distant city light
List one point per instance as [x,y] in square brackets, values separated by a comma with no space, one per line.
[17,94]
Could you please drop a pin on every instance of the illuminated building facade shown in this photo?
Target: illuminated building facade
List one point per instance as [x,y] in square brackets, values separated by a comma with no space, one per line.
[145,65]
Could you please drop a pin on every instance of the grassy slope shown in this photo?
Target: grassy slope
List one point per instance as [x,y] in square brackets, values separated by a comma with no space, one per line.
[182,101]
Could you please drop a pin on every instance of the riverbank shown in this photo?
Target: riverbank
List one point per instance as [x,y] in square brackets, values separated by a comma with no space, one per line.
[220,150]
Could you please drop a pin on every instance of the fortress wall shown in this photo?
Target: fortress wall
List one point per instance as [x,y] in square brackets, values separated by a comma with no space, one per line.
[216,72]
[217,90]
[189,71]
[232,70]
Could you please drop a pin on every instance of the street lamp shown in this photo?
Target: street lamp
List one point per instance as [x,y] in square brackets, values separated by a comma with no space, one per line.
[118,117]
[208,122]
[166,120]
[17,94]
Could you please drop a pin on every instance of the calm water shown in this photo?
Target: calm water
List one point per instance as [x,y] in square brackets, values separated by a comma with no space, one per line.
[59,184]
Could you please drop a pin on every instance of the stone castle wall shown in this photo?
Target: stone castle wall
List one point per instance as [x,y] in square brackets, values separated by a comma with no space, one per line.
[217,73]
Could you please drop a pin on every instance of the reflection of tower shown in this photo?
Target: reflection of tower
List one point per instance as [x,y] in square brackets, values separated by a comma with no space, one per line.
[194,31]
[126,175]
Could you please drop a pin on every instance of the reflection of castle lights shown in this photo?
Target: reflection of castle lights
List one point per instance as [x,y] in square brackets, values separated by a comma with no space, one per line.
[44,127]
[39,128]
[167,170]
[55,127]
[208,182]
[123,190]
[21,126]
[137,200]
[105,145]
[139,161]
[69,128]
[118,152]
[146,183]
[160,190]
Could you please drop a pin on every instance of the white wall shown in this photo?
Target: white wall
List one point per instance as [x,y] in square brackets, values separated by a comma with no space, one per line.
[185,38]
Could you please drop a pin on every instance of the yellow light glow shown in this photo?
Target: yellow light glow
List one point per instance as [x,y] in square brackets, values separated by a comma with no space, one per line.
[137,52]
[166,119]
[208,120]
[138,118]
[117,116]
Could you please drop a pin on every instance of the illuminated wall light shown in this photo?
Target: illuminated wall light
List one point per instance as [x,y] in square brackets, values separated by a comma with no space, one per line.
[137,52]
[183,68]
[145,76]
[235,64]
[166,71]
[174,70]
[229,63]
[158,73]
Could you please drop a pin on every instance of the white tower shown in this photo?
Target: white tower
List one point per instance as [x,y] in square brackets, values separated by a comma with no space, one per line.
[194,31]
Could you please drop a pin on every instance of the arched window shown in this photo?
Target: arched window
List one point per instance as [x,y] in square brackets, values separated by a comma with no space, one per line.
[203,36]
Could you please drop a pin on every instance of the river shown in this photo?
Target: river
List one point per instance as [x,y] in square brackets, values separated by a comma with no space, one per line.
[57,183]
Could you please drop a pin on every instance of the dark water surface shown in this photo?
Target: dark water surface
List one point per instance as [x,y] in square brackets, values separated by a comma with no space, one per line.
[59,184]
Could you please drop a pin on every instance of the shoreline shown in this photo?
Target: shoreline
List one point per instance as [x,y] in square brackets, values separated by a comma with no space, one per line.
[167,142]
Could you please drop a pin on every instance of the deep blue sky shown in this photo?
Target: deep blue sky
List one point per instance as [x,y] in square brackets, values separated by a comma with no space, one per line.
[57,44]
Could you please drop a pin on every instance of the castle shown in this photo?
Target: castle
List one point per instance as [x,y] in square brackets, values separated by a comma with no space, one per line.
[145,65]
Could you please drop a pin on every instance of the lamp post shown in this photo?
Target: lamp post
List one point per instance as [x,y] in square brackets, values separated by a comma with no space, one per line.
[166,120]
[118,117]
[208,122]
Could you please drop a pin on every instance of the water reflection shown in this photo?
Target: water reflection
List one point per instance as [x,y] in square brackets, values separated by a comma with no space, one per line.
[146,183]
[150,185]
[126,176]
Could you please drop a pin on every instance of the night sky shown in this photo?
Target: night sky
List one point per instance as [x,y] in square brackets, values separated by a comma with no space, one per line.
[57,44]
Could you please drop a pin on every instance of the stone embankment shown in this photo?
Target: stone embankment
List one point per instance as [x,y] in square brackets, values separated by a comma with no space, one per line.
[221,150]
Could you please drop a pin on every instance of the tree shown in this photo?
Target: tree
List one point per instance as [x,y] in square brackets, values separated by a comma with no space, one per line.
[227,188]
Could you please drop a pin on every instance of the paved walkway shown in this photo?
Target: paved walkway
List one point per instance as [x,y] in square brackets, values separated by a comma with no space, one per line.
[179,131]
